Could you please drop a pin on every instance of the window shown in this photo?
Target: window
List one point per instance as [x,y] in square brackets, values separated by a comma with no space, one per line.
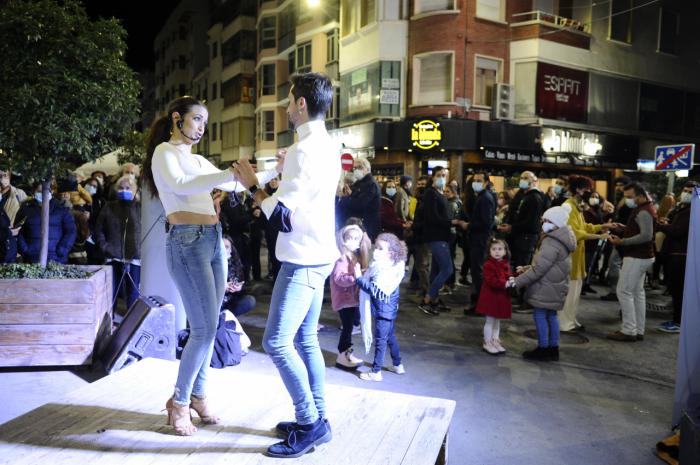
[357,14]
[368,12]
[425,6]
[433,78]
[214,50]
[266,82]
[213,91]
[213,132]
[241,46]
[268,126]
[332,46]
[238,132]
[239,89]
[490,9]
[303,64]
[486,76]
[182,62]
[348,17]
[267,33]
[291,58]
[621,20]
[668,30]
[286,31]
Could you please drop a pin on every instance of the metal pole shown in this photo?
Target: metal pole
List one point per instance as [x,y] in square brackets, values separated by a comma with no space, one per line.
[671,181]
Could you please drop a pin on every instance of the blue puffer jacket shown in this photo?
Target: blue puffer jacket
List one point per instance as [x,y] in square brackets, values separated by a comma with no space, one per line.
[62,232]
[383,306]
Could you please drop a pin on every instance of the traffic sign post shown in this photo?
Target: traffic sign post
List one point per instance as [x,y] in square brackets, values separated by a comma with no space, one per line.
[674,157]
[346,161]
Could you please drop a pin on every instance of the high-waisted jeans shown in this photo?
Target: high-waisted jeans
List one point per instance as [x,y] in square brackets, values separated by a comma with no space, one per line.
[291,336]
[197,262]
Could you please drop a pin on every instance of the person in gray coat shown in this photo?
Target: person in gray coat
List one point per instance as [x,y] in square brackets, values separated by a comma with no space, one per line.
[547,281]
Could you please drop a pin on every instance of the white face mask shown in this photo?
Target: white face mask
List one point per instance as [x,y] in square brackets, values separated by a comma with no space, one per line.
[352,245]
[593,201]
[548,227]
[524,184]
[440,183]
[92,190]
[477,187]
[686,197]
[357,174]
[631,203]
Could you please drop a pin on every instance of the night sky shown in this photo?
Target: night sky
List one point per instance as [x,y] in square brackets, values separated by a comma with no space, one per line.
[142,21]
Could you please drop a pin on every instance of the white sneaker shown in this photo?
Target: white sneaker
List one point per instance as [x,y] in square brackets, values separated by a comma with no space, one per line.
[497,345]
[356,330]
[398,369]
[346,361]
[371,376]
[489,348]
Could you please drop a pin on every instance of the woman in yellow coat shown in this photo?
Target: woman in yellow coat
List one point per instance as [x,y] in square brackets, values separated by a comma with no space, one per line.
[580,187]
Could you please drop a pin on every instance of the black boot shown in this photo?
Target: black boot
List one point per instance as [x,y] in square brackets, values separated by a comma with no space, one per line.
[554,353]
[539,353]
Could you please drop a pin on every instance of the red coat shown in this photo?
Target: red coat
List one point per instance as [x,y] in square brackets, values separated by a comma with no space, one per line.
[494,298]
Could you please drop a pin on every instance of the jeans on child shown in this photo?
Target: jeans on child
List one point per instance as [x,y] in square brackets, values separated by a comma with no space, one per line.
[547,325]
[196,261]
[291,336]
[383,336]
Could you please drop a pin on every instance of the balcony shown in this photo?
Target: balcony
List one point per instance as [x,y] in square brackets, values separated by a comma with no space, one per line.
[549,26]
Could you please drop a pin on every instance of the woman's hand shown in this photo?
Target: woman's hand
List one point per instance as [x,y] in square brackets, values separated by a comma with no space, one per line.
[245,174]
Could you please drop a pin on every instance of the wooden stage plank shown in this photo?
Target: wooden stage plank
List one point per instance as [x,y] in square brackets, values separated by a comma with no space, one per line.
[118,421]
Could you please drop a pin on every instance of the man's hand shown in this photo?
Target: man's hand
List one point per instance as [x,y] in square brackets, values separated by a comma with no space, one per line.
[346,190]
[256,213]
[614,240]
[280,160]
[245,174]
[505,228]
[519,269]
[462,224]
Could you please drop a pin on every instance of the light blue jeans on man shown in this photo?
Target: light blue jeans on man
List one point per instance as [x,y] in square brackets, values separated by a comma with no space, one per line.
[291,336]
[197,262]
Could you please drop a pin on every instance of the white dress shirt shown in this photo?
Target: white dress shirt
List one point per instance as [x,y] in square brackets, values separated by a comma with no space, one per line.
[309,180]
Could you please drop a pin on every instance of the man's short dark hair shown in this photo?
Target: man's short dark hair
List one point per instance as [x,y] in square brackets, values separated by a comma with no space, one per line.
[484,173]
[639,190]
[404,179]
[437,169]
[693,184]
[316,89]
[624,180]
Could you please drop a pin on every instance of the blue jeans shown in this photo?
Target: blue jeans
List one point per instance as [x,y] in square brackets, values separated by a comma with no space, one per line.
[547,325]
[383,336]
[441,267]
[291,336]
[197,262]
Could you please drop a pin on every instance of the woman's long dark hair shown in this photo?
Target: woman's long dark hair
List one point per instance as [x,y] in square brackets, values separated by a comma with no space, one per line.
[160,132]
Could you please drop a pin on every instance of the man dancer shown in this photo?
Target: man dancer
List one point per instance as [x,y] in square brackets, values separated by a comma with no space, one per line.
[303,210]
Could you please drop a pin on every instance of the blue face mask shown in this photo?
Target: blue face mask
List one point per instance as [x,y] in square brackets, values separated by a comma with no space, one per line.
[440,183]
[125,195]
[477,186]
[558,189]
[38,196]
[524,184]
[391,191]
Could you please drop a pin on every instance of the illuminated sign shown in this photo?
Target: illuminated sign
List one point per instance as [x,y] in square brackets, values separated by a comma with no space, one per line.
[426,134]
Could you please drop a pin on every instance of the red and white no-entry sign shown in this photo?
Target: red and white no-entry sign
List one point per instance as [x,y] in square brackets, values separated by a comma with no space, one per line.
[346,161]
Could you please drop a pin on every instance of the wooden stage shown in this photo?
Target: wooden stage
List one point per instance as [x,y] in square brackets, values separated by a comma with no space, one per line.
[118,421]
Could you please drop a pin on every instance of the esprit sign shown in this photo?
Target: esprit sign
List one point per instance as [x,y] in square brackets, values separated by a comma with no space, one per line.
[562,93]
[426,134]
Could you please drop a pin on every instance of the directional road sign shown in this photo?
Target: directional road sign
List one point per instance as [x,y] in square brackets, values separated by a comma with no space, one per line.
[674,157]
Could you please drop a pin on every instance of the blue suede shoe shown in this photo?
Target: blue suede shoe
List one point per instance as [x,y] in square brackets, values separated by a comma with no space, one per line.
[283,428]
[301,440]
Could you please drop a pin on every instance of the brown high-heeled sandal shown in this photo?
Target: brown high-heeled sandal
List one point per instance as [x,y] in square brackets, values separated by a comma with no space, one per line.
[201,406]
[180,418]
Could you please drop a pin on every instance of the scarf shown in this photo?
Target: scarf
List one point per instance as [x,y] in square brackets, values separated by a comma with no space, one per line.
[387,278]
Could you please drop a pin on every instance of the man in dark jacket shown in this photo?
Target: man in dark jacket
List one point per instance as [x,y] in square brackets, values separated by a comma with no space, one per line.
[674,252]
[436,233]
[524,228]
[479,229]
[62,230]
[11,199]
[363,199]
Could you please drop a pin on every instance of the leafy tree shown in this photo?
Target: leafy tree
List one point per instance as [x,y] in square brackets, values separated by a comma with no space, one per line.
[66,93]
[133,147]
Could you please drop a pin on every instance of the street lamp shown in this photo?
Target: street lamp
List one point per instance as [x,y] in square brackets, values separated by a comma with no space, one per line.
[313,3]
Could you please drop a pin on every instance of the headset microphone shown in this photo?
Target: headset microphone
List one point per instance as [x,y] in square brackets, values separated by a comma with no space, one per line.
[179,126]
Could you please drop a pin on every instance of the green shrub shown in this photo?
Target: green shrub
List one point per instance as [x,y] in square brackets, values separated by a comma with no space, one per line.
[34,271]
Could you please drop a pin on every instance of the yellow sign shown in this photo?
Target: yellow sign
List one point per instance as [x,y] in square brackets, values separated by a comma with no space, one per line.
[426,134]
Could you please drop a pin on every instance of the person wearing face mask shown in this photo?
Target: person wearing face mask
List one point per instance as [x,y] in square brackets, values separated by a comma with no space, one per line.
[387,214]
[363,199]
[79,197]
[117,234]
[436,234]
[592,214]
[62,229]
[420,275]
[502,206]
[479,230]
[622,213]
[580,188]
[638,247]
[524,227]
[11,199]
[674,252]
[560,191]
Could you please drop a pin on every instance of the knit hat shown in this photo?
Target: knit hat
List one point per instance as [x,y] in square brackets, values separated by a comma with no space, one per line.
[558,216]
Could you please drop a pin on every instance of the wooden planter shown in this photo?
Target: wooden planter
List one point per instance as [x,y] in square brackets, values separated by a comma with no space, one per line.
[54,321]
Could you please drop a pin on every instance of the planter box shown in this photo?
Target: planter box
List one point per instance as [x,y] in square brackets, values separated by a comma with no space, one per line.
[54,321]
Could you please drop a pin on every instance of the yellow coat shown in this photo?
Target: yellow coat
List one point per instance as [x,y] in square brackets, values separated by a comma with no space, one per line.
[581,230]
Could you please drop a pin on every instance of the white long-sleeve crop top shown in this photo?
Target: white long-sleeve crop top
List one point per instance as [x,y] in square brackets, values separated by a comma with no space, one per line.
[185,180]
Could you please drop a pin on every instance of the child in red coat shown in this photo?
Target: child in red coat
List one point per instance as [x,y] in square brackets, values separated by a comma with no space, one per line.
[494,298]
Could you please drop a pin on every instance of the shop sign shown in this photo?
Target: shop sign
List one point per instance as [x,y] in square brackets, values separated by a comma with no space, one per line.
[562,93]
[510,155]
[426,134]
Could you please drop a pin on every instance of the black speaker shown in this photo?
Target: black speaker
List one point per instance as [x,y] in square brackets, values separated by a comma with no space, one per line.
[147,330]
[689,453]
